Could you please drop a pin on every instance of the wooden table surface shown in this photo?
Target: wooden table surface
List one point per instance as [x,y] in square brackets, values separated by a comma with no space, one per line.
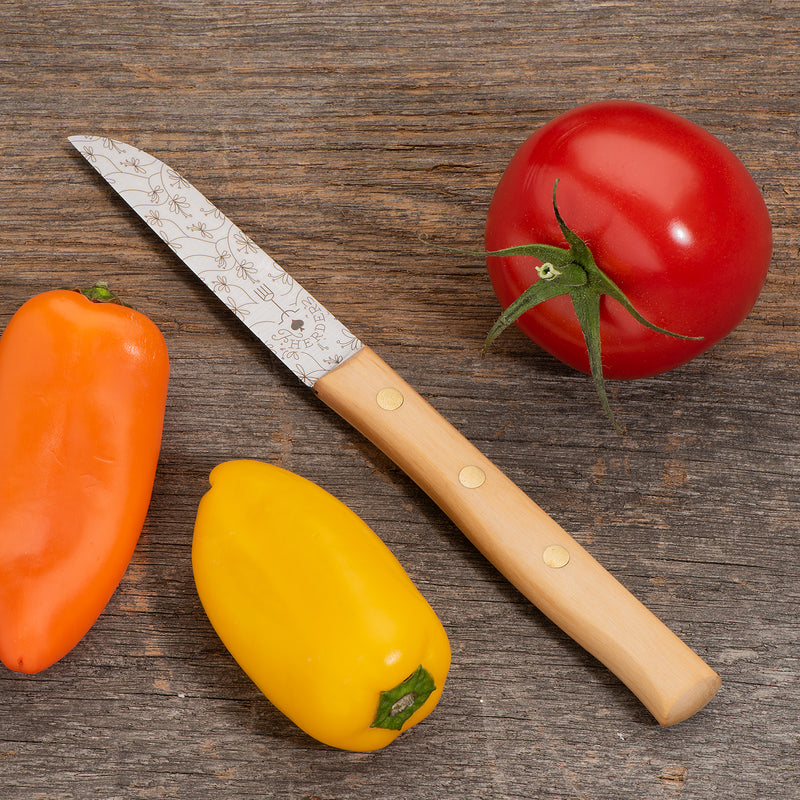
[336,134]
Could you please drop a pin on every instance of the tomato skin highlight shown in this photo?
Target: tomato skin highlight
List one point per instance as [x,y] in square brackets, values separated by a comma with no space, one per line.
[670,214]
[82,396]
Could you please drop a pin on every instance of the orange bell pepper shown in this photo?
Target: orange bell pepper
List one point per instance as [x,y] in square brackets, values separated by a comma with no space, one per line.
[82,396]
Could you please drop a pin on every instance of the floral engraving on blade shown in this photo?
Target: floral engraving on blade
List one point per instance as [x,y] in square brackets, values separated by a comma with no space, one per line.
[301,332]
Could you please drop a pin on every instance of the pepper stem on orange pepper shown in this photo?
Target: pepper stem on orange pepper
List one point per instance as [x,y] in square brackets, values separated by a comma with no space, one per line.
[100,293]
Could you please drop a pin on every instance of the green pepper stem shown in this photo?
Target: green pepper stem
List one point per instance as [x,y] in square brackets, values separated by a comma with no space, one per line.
[100,293]
[396,705]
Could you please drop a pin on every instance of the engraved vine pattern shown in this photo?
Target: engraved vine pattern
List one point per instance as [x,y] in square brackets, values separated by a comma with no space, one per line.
[300,331]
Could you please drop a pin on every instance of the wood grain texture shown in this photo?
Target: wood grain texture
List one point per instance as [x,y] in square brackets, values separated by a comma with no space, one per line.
[336,135]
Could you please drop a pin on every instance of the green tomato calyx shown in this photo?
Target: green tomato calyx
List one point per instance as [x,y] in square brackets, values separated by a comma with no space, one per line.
[396,705]
[571,271]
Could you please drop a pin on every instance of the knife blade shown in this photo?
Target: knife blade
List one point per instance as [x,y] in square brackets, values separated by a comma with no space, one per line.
[524,543]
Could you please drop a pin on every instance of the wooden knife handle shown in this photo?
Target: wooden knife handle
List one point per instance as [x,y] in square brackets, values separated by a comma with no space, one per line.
[533,552]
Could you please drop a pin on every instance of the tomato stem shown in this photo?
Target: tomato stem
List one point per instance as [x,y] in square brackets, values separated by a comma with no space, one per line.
[573,271]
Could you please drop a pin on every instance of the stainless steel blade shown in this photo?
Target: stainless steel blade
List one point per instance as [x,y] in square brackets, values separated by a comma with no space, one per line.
[300,331]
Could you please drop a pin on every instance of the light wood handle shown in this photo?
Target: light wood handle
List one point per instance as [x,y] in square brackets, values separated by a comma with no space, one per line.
[533,551]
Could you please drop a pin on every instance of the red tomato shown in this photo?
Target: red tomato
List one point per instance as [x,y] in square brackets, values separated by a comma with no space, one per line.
[670,215]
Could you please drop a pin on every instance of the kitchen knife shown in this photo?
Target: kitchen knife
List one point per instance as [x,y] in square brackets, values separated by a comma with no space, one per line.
[533,552]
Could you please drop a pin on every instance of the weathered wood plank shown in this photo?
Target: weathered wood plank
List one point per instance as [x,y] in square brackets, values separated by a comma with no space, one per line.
[337,135]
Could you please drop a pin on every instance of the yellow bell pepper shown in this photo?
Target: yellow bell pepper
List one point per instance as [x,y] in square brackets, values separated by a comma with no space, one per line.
[315,608]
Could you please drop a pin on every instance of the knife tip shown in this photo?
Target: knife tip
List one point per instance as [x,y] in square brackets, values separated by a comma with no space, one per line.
[80,139]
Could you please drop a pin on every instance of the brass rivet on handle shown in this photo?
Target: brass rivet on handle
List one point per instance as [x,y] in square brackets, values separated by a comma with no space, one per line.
[471,477]
[556,556]
[389,398]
